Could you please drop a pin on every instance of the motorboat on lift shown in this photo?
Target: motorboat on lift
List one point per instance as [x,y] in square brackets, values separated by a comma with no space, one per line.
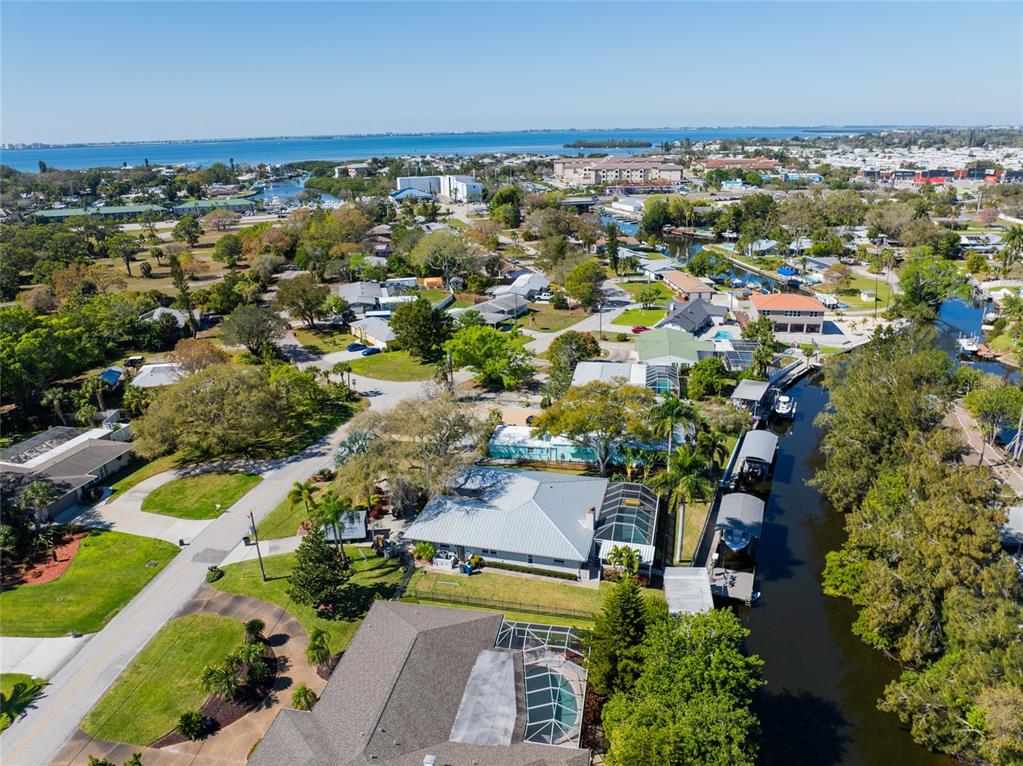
[968,344]
[784,407]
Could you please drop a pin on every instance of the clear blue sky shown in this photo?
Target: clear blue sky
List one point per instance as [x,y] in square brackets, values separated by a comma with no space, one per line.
[149,70]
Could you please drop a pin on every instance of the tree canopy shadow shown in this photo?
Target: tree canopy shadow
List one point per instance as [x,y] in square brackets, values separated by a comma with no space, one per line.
[800,728]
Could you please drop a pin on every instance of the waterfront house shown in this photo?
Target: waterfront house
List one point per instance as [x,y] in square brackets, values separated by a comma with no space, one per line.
[431,685]
[789,312]
[447,188]
[552,521]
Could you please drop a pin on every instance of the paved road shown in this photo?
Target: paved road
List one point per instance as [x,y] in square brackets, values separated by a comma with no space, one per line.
[616,301]
[78,685]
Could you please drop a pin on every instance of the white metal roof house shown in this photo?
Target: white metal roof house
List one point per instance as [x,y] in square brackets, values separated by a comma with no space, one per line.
[160,374]
[531,518]
[660,378]
[527,286]
[157,314]
[544,520]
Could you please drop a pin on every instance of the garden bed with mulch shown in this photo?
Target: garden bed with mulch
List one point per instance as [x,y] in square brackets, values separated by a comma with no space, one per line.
[221,712]
[46,566]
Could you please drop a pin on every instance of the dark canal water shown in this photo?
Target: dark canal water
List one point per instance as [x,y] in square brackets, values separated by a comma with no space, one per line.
[823,683]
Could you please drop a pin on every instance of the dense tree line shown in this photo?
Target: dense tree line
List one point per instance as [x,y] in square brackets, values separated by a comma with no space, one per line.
[678,688]
[922,561]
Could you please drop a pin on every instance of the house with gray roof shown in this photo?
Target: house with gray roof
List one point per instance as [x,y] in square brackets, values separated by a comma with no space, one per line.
[361,296]
[527,286]
[693,316]
[374,331]
[498,310]
[432,685]
[68,460]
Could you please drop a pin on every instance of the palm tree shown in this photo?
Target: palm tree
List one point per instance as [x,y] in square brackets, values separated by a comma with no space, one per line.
[344,369]
[711,445]
[34,498]
[317,651]
[671,411]
[335,510]
[684,480]
[53,398]
[632,457]
[624,559]
[1012,246]
[302,492]
[254,631]
[95,386]
[220,680]
[249,654]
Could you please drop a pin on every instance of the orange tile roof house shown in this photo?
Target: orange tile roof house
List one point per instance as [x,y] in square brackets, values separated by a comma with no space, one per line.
[790,312]
[686,284]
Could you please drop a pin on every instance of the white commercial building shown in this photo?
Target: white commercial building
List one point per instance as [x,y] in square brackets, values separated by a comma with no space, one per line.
[450,188]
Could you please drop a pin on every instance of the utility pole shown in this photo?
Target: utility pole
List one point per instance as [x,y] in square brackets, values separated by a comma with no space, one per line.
[259,555]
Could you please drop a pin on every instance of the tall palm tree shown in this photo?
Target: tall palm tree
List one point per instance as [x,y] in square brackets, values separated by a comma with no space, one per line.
[671,411]
[335,510]
[317,651]
[1012,246]
[344,369]
[632,456]
[684,480]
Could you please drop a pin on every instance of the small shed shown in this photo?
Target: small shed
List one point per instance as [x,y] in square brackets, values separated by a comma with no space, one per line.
[687,590]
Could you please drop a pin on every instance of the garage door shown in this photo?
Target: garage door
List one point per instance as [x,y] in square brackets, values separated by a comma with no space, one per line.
[796,328]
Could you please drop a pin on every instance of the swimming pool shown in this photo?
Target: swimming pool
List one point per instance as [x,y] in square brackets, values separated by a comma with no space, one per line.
[721,335]
[552,710]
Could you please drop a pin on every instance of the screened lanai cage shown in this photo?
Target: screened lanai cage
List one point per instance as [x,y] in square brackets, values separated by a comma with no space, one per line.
[628,517]
[554,680]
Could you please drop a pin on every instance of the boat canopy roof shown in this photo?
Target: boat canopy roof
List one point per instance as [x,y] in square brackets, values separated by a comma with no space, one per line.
[758,446]
[741,512]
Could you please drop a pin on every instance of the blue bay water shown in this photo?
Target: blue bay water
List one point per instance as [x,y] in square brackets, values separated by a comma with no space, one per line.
[283,150]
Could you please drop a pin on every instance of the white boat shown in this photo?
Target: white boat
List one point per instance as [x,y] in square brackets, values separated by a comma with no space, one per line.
[991,317]
[785,407]
[968,344]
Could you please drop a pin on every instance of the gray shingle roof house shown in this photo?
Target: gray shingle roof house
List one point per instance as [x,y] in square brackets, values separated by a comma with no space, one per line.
[361,296]
[527,517]
[691,316]
[69,460]
[376,331]
[419,684]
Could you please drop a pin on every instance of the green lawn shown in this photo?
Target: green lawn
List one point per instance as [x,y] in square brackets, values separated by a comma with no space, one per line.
[645,317]
[14,704]
[323,341]
[522,591]
[664,293]
[851,295]
[137,472]
[109,569]
[543,317]
[162,682]
[432,295]
[282,521]
[392,365]
[461,304]
[373,575]
[198,497]
[692,525]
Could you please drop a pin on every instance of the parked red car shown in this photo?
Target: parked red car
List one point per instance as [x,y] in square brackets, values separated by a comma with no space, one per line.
[639,328]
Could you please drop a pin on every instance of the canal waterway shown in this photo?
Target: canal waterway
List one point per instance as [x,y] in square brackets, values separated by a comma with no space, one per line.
[819,704]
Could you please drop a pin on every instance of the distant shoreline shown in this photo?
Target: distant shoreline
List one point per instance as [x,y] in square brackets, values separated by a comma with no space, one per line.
[22,146]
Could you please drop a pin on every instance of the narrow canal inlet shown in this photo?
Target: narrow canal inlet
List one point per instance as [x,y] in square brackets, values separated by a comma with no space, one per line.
[819,705]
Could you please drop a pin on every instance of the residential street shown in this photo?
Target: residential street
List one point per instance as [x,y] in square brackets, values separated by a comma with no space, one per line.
[77,686]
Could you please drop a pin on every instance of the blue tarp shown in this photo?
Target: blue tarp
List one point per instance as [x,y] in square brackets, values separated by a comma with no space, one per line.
[787,271]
